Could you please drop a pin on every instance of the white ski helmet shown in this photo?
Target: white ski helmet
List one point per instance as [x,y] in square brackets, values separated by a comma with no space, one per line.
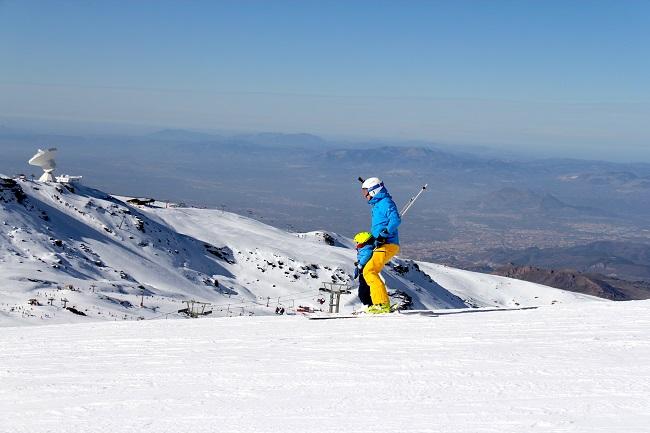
[373,185]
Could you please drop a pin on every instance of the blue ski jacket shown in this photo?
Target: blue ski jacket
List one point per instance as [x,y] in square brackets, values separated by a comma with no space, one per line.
[364,254]
[385,217]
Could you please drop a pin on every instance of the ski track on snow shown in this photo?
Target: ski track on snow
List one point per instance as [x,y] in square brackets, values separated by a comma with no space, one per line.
[570,368]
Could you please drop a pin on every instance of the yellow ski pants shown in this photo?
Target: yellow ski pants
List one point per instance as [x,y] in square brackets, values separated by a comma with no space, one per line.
[380,256]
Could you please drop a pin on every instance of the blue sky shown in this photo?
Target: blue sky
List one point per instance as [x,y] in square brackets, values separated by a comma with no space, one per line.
[568,76]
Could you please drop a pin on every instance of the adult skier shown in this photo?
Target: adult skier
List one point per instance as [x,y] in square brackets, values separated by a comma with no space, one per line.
[385,220]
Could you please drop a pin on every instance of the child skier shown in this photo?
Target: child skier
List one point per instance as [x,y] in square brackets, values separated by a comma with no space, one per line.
[365,244]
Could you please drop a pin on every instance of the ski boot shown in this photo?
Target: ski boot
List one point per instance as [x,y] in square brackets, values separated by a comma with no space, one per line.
[378,309]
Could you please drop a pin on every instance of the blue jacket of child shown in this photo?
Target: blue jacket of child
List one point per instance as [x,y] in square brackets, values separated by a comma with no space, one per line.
[364,254]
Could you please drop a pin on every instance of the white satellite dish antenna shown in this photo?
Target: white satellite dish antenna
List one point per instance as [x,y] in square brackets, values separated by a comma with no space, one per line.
[45,160]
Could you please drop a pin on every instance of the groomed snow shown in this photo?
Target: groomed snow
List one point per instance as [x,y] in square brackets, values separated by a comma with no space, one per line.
[565,368]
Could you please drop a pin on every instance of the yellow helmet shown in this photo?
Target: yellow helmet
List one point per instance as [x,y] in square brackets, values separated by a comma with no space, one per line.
[362,237]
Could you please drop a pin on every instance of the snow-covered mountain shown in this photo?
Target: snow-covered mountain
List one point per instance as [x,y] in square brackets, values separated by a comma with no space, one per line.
[73,253]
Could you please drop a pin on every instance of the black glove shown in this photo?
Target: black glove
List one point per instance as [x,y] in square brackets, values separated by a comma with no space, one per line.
[357,268]
[381,239]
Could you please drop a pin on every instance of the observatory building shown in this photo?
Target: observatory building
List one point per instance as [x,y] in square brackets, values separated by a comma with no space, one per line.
[45,160]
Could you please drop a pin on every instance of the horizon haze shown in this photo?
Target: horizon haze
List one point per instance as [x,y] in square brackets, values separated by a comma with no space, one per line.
[551,79]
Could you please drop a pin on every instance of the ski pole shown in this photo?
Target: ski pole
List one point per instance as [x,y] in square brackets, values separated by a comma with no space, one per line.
[412,200]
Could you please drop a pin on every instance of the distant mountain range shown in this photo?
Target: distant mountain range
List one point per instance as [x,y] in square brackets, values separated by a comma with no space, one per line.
[626,260]
[623,181]
[392,157]
[266,139]
[511,199]
[302,180]
[588,283]
[182,135]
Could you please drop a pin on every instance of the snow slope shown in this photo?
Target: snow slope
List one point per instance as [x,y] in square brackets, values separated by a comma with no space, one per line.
[580,368]
[430,285]
[81,255]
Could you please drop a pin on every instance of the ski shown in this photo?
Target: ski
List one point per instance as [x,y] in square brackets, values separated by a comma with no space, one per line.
[330,316]
[397,313]
[428,313]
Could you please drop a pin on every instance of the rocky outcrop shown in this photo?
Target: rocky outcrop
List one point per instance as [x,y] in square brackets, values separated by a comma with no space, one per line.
[11,192]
